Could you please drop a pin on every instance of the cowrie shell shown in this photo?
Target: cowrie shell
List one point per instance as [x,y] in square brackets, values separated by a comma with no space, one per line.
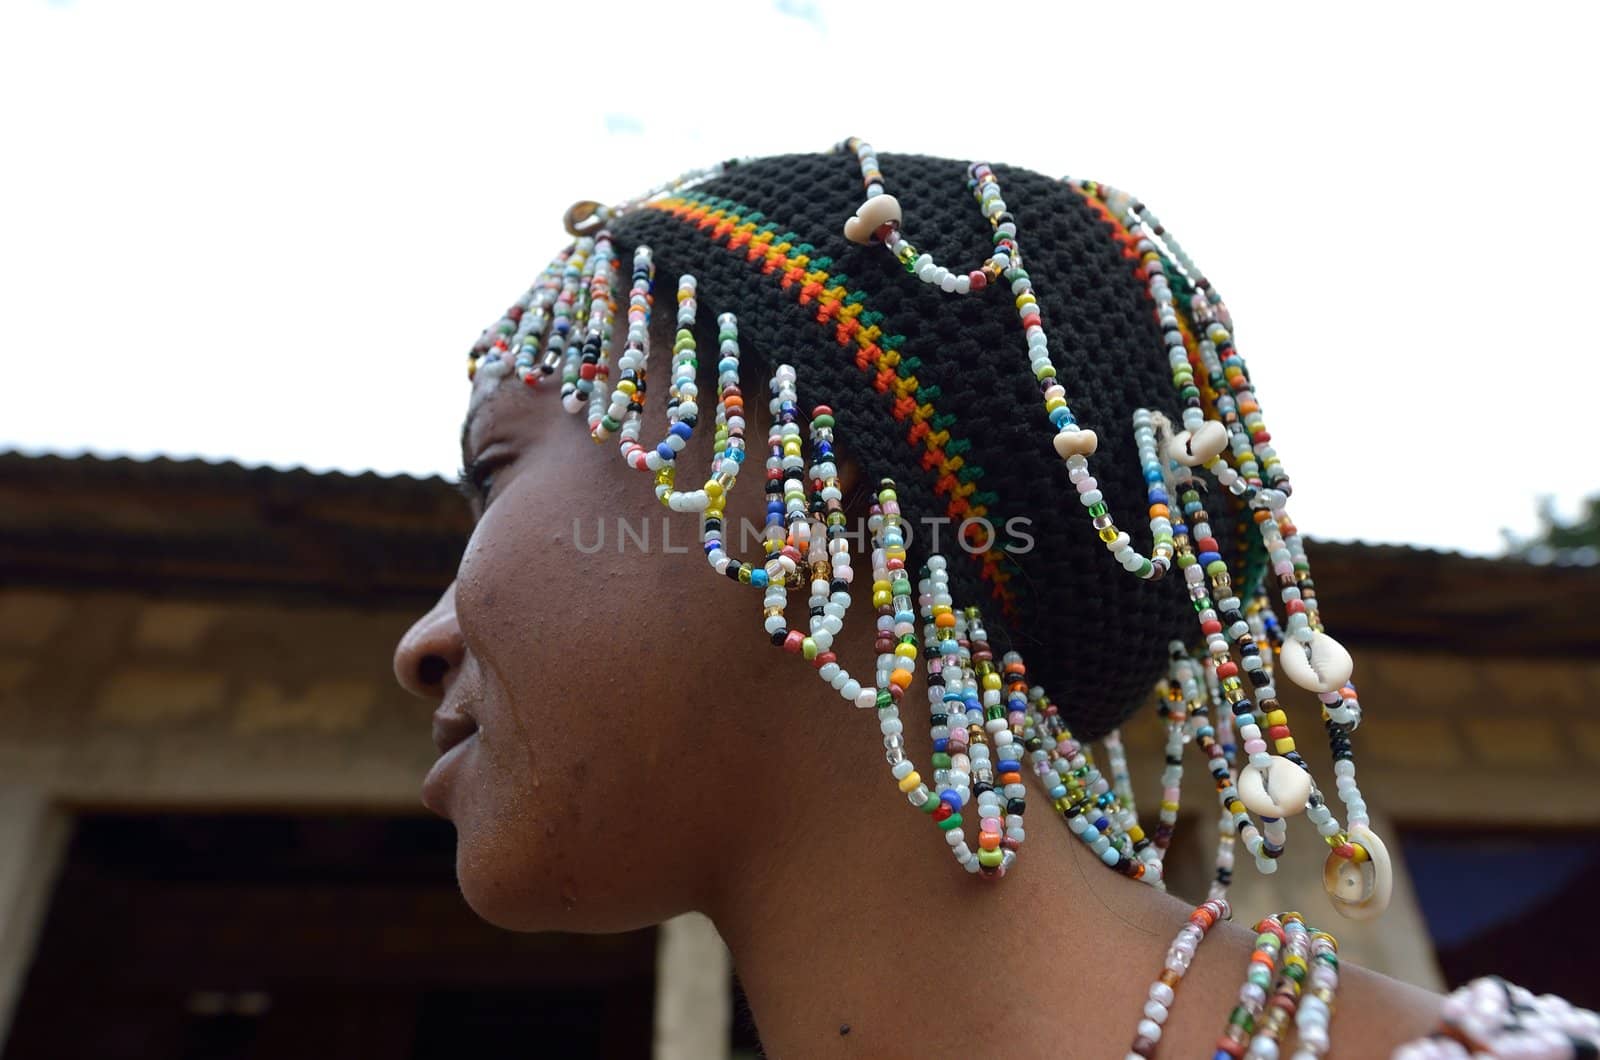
[585,218]
[1194,448]
[1322,665]
[871,216]
[1280,790]
[1076,443]
[1360,891]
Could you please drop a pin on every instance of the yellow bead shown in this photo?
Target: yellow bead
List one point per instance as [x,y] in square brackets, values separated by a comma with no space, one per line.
[991,682]
[713,488]
[1285,745]
[1136,833]
[909,782]
[906,651]
[1109,534]
[1277,717]
[882,599]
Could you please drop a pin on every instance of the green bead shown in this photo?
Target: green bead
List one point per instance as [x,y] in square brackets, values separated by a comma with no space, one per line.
[941,760]
[822,421]
[1097,510]
[953,821]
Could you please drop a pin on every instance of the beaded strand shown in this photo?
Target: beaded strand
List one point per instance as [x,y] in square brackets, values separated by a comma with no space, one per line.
[1164,991]
[879,218]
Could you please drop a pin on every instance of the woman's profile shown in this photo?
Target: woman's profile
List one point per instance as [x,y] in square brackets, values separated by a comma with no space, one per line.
[913,478]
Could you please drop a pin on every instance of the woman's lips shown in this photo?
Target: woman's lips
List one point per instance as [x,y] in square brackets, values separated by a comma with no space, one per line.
[453,734]
[450,727]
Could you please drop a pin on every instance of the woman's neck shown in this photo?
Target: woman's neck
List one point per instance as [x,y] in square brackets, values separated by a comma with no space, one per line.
[854,932]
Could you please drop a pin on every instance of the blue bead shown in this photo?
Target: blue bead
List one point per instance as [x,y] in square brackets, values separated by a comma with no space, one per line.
[681,429]
[736,455]
[1208,558]
[1060,417]
[1152,474]
[904,616]
[774,507]
[1158,496]
[941,746]
[665,451]
[951,797]
[1110,856]
[758,577]
[1010,765]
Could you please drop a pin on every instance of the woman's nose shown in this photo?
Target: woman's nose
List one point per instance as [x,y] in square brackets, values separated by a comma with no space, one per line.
[431,650]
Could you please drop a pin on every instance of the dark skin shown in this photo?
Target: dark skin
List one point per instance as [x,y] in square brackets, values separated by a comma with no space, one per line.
[639,750]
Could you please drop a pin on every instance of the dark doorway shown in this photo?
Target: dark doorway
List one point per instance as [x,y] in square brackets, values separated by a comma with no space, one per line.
[244,937]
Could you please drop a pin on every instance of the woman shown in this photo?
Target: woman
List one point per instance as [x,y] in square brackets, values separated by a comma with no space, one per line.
[619,746]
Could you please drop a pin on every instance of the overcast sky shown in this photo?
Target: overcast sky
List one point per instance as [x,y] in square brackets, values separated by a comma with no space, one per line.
[268,232]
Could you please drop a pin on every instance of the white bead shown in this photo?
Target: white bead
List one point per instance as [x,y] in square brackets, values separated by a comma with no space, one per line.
[1075,443]
[1280,790]
[1319,665]
[871,216]
[1192,449]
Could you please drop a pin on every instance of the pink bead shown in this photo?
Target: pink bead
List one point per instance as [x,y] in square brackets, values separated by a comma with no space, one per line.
[1087,483]
[990,825]
[1253,747]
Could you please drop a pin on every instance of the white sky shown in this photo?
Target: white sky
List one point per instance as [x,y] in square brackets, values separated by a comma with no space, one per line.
[269,231]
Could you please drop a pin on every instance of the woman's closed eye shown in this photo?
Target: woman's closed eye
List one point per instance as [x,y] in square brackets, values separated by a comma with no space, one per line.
[475,480]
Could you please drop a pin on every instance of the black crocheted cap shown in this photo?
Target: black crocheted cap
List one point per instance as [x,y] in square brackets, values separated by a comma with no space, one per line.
[1093,635]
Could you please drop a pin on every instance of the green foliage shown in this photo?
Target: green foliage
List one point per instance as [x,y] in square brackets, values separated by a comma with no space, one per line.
[1575,541]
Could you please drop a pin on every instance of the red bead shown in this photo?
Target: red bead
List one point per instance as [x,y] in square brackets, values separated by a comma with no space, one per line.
[1228,669]
[978,280]
[792,642]
[1211,626]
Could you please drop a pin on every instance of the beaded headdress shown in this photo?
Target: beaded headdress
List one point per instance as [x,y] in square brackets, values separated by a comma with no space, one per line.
[1109,372]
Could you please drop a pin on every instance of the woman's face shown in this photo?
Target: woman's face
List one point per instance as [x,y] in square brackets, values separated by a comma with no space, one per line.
[594,704]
